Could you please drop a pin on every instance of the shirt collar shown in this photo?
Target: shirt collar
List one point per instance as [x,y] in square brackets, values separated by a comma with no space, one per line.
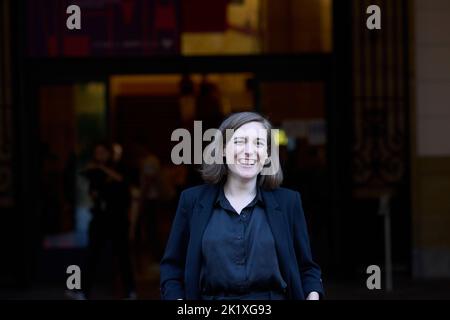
[223,201]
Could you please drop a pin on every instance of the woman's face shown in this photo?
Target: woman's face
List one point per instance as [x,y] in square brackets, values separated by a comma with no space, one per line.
[246,151]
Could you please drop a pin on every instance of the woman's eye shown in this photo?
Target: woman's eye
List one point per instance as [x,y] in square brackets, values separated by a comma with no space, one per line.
[238,141]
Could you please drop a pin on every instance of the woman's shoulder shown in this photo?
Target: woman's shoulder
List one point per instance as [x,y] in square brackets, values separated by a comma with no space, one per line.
[287,198]
[192,195]
[196,190]
[199,192]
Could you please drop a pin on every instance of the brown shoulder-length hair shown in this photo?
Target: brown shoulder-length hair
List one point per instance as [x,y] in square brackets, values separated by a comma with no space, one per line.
[215,173]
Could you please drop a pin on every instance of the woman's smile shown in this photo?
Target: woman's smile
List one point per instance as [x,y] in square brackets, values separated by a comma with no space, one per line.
[247,162]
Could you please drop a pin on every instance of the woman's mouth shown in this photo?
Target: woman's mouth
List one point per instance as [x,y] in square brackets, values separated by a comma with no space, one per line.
[247,162]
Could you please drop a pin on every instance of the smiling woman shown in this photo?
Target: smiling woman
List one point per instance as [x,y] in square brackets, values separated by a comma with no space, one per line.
[240,236]
[246,152]
[251,140]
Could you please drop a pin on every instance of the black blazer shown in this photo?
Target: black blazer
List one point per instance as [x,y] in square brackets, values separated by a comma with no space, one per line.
[182,260]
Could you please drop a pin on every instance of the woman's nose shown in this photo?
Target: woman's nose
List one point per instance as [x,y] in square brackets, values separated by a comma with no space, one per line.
[249,148]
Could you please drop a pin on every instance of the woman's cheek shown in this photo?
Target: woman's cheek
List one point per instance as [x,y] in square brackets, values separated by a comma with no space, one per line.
[262,155]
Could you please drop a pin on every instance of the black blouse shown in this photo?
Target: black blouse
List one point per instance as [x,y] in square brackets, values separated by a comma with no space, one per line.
[239,254]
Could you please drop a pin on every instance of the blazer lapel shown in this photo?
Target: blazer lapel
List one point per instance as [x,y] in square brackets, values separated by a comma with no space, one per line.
[281,234]
[200,217]
[276,219]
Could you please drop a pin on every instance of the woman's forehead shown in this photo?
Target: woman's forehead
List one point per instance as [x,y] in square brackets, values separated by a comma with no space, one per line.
[251,129]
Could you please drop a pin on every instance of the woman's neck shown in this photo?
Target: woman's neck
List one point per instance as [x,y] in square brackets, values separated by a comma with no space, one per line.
[236,187]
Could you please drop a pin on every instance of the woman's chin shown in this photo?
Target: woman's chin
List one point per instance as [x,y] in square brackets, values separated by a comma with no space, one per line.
[247,174]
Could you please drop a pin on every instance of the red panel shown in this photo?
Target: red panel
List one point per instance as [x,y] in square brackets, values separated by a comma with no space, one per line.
[165,17]
[52,46]
[203,15]
[78,46]
[128,7]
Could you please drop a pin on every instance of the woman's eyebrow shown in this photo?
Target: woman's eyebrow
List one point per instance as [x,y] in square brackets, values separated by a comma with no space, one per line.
[245,137]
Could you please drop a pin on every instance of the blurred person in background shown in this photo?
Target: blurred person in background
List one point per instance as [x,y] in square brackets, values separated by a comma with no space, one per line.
[151,186]
[120,208]
[209,105]
[110,195]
